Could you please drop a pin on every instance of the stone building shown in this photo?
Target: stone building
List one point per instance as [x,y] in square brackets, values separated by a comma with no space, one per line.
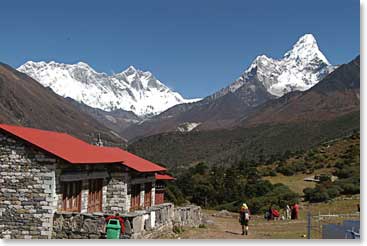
[42,172]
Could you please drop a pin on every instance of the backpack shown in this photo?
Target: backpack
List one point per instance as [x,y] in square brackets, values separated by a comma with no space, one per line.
[247,215]
[275,213]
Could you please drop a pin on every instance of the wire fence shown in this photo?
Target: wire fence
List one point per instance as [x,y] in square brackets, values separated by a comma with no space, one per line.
[315,223]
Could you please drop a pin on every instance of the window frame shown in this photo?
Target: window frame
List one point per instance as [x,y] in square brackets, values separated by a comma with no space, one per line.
[95,195]
[71,196]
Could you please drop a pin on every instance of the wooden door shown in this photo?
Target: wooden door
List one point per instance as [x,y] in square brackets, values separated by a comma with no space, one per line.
[159,197]
[148,195]
[71,197]
[95,195]
[135,197]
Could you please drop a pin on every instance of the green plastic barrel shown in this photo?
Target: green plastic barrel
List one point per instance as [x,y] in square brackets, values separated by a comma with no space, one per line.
[113,229]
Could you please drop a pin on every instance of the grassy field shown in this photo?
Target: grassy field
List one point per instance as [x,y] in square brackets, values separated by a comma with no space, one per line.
[296,182]
[340,205]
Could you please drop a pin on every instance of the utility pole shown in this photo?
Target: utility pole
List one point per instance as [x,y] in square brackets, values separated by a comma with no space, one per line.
[308,224]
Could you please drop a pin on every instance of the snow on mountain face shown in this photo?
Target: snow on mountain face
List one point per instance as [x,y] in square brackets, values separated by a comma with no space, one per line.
[187,126]
[300,68]
[131,90]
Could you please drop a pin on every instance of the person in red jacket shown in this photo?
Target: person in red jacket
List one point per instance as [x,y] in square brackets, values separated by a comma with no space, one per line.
[118,217]
[295,211]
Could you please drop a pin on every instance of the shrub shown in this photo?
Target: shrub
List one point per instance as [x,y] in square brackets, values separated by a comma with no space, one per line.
[177,229]
[273,173]
[325,178]
[316,194]
[319,196]
[343,173]
[333,191]
[300,167]
[349,188]
[286,170]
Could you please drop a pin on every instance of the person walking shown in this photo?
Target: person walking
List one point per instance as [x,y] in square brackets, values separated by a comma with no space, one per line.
[269,214]
[287,212]
[244,218]
[295,211]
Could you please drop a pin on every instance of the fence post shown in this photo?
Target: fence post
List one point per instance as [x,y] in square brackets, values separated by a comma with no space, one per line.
[308,225]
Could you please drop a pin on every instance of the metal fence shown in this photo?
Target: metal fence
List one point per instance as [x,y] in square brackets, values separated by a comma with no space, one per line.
[333,226]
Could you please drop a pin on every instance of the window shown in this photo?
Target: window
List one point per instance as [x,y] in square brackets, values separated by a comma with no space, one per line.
[135,196]
[71,196]
[148,195]
[95,195]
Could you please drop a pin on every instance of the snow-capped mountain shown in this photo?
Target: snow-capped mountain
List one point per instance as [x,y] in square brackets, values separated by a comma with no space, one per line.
[265,79]
[299,69]
[131,90]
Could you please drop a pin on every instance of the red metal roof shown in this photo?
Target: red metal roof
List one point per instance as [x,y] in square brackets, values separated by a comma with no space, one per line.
[133,161]
[76,151]
[163,177]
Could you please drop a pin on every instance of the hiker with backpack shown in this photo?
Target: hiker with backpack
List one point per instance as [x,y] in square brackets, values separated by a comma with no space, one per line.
[244,218]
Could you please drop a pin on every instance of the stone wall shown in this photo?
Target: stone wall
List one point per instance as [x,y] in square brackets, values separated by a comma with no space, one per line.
[115,199]
[151,223]
[27,197]
[187,216]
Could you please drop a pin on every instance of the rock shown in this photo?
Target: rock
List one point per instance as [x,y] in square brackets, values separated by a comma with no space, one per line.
[138,225]
[223,213]
[128,230]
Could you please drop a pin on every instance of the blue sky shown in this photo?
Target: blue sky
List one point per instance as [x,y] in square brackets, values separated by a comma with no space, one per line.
[194,46]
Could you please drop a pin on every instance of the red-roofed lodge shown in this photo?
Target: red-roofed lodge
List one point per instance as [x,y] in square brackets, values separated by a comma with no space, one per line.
[44,171]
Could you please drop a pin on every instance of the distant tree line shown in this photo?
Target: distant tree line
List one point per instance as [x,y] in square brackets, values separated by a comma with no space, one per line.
[228,187]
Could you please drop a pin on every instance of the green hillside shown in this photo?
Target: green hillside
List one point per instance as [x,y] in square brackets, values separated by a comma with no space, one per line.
[276,183]
[226,147]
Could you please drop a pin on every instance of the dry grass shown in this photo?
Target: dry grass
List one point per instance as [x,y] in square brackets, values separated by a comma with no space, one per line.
[341,205]
[296,182]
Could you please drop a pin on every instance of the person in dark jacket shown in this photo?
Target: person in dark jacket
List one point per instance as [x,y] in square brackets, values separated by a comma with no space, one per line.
[244,218]
[269,214]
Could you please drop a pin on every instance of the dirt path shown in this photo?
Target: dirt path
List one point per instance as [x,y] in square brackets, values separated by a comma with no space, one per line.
[227,227]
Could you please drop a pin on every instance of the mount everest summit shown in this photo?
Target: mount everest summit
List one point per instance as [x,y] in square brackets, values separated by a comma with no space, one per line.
[131,90]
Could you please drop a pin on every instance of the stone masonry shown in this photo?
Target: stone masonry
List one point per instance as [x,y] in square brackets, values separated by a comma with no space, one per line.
[27,190]
[116,191]
[144,224]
